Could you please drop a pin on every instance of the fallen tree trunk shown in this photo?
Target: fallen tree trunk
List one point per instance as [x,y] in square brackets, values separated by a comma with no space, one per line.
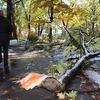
[52,84]
[71,58]
[68,75]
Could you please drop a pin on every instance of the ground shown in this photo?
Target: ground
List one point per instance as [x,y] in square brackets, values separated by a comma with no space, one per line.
[20,65]
[23,62]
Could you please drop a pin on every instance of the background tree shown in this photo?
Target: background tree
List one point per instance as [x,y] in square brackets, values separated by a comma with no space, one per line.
[11,16]
[93,17]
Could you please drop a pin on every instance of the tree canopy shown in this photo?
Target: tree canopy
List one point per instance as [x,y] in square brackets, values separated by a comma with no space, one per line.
[47,16]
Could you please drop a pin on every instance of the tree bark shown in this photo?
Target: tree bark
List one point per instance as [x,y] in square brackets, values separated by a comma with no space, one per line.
[9,9]
[28,17]
[13,22]
[10,16]
[50,12]
[40,29]
[68,75]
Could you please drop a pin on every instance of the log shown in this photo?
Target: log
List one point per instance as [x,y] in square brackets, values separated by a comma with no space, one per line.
[68,75]
[40,80]
[51,83]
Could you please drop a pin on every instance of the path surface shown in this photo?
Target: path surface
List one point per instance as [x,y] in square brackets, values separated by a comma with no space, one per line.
[20,65]
[23,62]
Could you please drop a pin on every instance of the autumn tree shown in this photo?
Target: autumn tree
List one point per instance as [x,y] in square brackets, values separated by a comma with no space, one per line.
[92,19]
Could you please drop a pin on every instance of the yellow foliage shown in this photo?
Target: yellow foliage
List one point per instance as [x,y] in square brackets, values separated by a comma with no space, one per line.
[73,16]
[60,8]
[70,48]
[41,21]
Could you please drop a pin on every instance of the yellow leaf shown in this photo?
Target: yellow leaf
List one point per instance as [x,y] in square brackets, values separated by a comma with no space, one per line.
[61,96]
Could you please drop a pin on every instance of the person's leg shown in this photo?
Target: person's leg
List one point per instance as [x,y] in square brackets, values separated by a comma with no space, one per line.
[0,53]
[5,51]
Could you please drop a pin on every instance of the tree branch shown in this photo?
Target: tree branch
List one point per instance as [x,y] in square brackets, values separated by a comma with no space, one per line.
[82,41]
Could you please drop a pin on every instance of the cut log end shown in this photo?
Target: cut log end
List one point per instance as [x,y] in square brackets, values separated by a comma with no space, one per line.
[52,84]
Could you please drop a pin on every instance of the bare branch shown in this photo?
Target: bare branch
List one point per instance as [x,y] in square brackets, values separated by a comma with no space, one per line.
[82,37]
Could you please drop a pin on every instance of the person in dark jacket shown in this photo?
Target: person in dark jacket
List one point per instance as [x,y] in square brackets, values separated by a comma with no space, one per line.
[5,32]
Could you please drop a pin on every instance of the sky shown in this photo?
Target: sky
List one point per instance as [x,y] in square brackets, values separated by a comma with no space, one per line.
[78,1]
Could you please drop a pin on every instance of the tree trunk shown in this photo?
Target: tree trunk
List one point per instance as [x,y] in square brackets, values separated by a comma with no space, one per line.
[10,16]
[52,84]
[93,10]
[40,29]
[68,75]
[93,29]
[13,23]
[51,21]
[28,18]
[29,30]
[9,10]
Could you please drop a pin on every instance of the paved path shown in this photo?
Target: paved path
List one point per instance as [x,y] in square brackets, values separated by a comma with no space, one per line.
[23,62]
[20,65]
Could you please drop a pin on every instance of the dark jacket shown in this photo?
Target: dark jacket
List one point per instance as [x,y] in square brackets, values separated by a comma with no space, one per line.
[5,30]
